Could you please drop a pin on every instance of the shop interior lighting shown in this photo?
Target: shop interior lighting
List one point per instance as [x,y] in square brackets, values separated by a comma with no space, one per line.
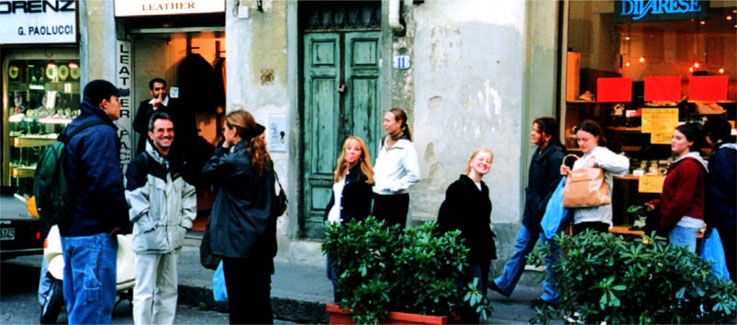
[703,22]
[729,17]
[627,64]
[73,65]
[721,70]
[696,64]
[690,69]
[642,59]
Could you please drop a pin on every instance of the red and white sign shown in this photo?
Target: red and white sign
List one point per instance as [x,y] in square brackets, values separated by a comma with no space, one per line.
[134,8]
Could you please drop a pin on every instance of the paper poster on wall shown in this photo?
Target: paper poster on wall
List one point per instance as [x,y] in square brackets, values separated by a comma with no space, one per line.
[650,184]
[659,120]
[661,137]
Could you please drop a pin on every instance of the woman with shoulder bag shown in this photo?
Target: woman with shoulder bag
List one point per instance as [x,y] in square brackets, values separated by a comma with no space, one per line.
[351,196]
[591,141]
[544,177]
[467,208]
[242,225]
[681,203]
[396,169]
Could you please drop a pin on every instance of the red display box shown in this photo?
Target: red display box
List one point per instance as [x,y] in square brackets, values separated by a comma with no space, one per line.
[708,88]
[664,88]
[609,90]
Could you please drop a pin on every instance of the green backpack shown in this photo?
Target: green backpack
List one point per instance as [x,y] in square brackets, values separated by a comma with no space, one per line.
[53,195]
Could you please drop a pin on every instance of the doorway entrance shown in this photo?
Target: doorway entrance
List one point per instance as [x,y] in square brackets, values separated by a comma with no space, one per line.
[341,80]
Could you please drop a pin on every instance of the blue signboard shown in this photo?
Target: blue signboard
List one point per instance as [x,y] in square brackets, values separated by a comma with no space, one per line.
[657,10]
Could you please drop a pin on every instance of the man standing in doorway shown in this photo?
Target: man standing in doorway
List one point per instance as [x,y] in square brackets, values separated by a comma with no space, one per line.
[98,211]
[163,207]
[159,102]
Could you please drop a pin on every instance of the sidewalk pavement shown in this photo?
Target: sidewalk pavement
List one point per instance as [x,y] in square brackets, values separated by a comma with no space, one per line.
[299,292]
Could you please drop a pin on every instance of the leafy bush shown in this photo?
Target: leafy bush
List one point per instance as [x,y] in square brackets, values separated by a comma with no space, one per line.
[416,267]
[604,278]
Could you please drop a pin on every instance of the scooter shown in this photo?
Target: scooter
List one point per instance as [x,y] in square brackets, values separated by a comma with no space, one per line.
[125,275]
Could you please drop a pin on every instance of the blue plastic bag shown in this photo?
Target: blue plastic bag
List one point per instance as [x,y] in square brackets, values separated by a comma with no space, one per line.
[712,250]
[219,292]
[555,214]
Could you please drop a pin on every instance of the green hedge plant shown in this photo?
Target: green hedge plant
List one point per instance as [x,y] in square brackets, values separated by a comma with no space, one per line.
[412,270]
[605,278]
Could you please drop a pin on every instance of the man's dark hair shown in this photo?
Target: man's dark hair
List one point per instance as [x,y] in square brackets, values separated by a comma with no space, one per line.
[158,116]
[718,129]
[155,80]
[97,90]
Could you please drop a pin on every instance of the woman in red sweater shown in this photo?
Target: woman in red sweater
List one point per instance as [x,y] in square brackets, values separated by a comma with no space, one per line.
[682,201]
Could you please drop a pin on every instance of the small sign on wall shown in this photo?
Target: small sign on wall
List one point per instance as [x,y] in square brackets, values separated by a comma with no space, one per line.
[401,62]
[277,133]
[650,184]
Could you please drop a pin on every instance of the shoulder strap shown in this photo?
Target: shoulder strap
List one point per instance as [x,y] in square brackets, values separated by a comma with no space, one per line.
[64,137]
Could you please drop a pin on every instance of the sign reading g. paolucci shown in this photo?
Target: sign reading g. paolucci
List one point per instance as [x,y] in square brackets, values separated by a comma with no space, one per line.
[38,21]
[657,10]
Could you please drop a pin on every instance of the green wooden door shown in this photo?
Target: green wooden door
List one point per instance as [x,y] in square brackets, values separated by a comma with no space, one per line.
[341,98]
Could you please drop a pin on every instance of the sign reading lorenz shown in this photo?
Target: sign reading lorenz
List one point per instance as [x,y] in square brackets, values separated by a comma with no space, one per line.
[38,21]
[656,10]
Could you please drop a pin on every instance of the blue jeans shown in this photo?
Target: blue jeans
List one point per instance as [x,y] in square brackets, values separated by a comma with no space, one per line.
[523,245]
[334,276]
[683,236]
[89,277]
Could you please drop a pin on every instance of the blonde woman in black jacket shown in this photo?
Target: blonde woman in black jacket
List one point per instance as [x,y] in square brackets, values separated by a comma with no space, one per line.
[242,225]
[467,207]
[351,196]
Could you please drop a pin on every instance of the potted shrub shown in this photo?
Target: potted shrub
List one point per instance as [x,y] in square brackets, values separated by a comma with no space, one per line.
[397,276]
[604,278]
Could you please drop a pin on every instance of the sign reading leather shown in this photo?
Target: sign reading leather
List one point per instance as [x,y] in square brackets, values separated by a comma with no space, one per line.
[132,8]
[38,21]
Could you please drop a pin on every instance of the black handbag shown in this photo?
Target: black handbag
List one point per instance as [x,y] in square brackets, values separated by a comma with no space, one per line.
[208,260]
[280,200]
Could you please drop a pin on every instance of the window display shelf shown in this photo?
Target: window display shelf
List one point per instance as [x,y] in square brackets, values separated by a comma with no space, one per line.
[33,141]
[22,172]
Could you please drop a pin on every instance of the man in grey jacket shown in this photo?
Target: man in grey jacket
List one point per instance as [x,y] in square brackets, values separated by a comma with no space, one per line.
[163,206]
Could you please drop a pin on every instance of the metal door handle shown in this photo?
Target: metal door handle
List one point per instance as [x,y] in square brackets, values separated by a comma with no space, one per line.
[340,88]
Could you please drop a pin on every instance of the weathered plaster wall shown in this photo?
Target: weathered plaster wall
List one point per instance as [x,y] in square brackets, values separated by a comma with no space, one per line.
[97,40]
[468,81]
[257,76]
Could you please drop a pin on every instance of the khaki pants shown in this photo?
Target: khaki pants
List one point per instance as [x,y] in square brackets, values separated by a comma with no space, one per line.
[155,293]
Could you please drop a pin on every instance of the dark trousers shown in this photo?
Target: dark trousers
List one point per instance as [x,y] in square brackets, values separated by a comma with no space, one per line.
[391,208]
[594,225]
[249,290]
[481,272]
[729,242]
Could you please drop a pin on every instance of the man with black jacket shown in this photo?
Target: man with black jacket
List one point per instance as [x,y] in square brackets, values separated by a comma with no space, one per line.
[99,211]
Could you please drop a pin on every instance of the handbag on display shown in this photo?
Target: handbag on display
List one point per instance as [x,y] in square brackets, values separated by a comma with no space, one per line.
[585,187]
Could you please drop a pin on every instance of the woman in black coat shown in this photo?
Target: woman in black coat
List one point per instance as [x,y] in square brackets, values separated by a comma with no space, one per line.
[467,207]
[352,190]
[544,177]
[243,226]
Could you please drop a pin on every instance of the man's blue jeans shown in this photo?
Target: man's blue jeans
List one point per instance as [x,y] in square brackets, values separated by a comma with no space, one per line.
[683,236]
[523,245]
[89,277]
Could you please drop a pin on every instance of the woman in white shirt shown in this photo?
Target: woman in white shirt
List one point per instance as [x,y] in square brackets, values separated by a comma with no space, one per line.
[590,139]
[396,169]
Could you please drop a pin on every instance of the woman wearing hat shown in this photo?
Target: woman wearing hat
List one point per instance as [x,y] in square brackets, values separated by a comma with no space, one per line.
[243,227]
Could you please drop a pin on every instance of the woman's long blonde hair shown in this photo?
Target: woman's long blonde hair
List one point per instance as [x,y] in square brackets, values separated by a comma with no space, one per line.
[364,161]
[246,126]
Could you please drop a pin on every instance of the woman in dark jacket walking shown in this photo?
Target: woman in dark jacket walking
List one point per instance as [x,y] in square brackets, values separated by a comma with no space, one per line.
[543,178]
[721,194]
[352,192]
[243,225]
[467,208]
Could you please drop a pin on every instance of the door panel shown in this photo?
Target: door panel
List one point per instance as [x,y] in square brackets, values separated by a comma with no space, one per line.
[322,114]
[331,61]
[362,79]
